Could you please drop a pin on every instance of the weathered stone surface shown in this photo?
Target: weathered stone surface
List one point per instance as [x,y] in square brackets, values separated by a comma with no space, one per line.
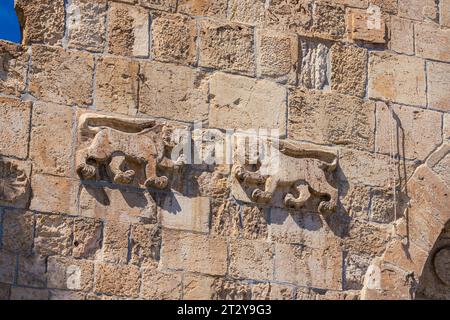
[295,16]
[227,46]
[314,65]
[440,161]
[53,235]
[193,252]
[55,71]
[401,35]
[416,130]
[20,293]
[278,56]
[174,39]
[366,238]
[166,5]
[397,78]
[438,80]
[362,25]
[243,103]
[247,11]
[417,10]
[115,242]
[185,213]
[251,260]
[331,118]
[18,231]
[209,8]
[178,93]
[67,295]
[32,271]
[349,70]
[117,280]
[128,30]
[87,237]
[160,286]
[308,267]
[145,242]
[14,126]
[71,274]
[356,266]
[116,85]
[386,6]
[432,47]
[51,133]
[86,24]
[272,291]
[41,21]
[13,68]
[7,267]
[328,20]
[15,181]
[4,291]
[444,13]
[208,288]
[54,194]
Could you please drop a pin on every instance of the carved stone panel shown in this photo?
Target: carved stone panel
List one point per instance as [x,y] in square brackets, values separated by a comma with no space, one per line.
[14,183]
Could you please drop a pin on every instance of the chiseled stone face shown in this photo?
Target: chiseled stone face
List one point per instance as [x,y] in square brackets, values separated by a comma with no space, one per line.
[53,235]
[13,68]
[18,231]
[432,47]
[402,35]
[438,81]
[119,280]
[210,8]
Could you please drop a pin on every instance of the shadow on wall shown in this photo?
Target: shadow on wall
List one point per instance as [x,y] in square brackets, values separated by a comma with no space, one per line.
[9,23]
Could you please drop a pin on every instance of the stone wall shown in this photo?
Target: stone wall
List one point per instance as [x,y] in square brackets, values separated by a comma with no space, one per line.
[92,207]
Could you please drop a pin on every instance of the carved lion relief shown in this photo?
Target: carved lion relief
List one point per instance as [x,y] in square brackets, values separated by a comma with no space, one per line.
[115,149]
[294,176]
[14,182]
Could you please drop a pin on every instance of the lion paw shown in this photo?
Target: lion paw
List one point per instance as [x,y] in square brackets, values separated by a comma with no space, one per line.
[86,171]
[261,196]
[157,182]
[124,177]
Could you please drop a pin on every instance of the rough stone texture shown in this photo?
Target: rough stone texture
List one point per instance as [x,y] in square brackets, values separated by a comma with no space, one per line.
[4,291]
[87,237]
[53,235]
[145,244]
[402,35]
[328,20]
[435,47]
[227,46]
[7,267]
[208,288]
[165,5]
[349,70]
[160,286]
[86,24]
[51,133]
[18,231]
[116,85]
[128,30]
[210,8]
[444,13]
[115,242]
[261,254]
[417,10]
[331,118]
[14,126]
[243,103]
[41,21]
[397,78]
[438,81]
[272,291]
[117,280]
[13,68]
[417,132]
[174,39]
[54,72]
[314,65]
[20,293]
[179,93]
[72,274]
[32,271]
[295,16]
[361,26]
[247,11]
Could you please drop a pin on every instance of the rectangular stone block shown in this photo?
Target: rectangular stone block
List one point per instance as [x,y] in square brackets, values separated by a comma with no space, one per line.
[193,252]
[272,291]
[294,16]
[397,78]
[417,10]
[54,194]
[173,92]
[14,127]
[117,280]
[444,13]
[328,20]
[7,267]
[53,235]
[438,80]
[87,237]
[71,274]
[32,271]
[196,287]
[128,30]
[227,46]
[314,65]
[115,242]
[164,5]
[55,71]
[361,26]
[327,118]
[4,291]
[145,243]
[160,286]
[251,259]
[420,131]
[244,103]
[208,8]
[432,42]
[185,213]
[51,136]
[247,11]
[13,69]
[18,228]
[20,293]
[402,35]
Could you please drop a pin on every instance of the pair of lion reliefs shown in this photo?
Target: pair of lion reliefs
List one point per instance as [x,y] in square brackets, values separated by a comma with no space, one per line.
[114,149]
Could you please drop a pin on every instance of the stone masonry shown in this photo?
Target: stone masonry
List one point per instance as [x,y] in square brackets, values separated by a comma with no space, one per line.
[92,206]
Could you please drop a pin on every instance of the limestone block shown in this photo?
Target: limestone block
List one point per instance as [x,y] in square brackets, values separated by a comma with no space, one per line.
[197,287]
[53,235]
[4,291]
[313,72]
[243,103]
[7,267]
[294,16]
[117,280]
[432,42]
[402,35]
[227,46]
[397,78]
[444,13]
[438,80]
[54,194]
[160,286]
[193,252]
[20,293]
[386,6]
[251,260]
[18,231]
[51,136]
[349,70]
[174,38]
[364,237]
[41,21]
[32,271]
[14,127]
[115,242]
[165,5]
[420,131]
[128,30]
[71,274]
[363,25]
[247,11]
[417,10]
[57,294]
[328,20]
[185,213]
[173,92]
[327,118]
[54,73]
[278,56]
[87,237]
[272,291]
[13,68]
[145,243]
[208,8]
[86,24]
[15,181]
